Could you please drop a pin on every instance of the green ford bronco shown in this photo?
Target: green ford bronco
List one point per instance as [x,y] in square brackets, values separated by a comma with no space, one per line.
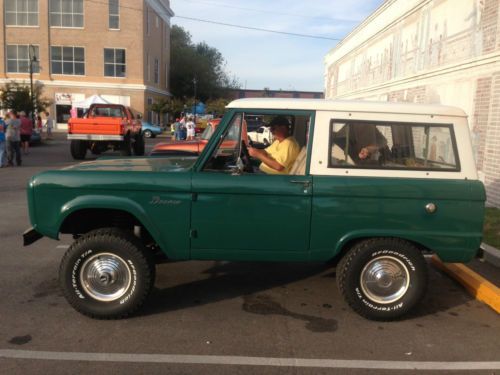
[374,188]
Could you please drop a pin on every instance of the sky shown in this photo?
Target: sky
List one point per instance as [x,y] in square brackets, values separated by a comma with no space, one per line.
[276,61]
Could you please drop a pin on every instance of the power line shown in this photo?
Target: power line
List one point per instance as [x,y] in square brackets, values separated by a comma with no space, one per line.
[271,12]
[258,29]
[230,25]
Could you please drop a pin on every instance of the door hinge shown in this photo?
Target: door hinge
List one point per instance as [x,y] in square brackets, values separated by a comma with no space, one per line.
[193,233]
[194,197]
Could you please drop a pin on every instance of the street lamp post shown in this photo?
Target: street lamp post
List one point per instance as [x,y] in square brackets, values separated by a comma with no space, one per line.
[194,83]
[33,59]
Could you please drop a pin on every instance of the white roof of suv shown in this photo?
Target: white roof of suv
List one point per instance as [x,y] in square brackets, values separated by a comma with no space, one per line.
[346,106]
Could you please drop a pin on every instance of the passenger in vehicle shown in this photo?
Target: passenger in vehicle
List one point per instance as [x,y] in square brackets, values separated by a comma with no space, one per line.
[279,157]
[365,142]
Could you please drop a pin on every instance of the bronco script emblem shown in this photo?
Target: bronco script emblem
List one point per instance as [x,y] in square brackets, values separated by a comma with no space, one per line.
[157,201]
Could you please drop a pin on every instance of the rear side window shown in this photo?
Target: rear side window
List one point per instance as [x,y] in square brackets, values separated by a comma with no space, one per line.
[377,145]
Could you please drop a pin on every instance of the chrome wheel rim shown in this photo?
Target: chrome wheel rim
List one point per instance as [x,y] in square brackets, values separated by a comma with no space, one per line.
[385,279]
[105,277]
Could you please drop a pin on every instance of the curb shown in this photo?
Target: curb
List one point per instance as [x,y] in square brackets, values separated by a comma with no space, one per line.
[475,284]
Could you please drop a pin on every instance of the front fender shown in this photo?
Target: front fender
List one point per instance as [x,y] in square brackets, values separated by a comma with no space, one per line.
[107,202]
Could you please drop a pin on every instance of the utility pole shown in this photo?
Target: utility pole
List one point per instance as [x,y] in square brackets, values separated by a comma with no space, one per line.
[33,59]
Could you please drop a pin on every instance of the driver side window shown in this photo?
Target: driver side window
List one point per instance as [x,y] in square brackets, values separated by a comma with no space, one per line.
[226,156]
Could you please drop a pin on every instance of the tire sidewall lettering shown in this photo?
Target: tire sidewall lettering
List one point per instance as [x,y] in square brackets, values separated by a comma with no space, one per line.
[132,288]
[75,282]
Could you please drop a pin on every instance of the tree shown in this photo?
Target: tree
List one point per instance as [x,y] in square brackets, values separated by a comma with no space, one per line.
[160,107]
[197,61]
[217,106]
[16,96]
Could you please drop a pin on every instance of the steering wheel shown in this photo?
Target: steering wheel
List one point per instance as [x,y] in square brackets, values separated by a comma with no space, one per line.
[245,157]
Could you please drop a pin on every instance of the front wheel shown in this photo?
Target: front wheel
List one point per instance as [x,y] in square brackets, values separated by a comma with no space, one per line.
[382,278]
[139,145]
[106,274]
[148,133]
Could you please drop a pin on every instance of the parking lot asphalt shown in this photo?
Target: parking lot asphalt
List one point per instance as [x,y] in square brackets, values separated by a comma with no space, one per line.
[220,317]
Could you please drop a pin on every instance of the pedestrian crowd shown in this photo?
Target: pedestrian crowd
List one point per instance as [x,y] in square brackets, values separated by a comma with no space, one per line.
[183,129]
[16,130]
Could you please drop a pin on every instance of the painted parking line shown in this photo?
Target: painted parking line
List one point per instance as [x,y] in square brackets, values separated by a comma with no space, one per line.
[475,284]
[246,361]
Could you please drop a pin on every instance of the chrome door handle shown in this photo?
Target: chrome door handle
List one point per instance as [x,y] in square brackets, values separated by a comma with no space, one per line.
[306,183]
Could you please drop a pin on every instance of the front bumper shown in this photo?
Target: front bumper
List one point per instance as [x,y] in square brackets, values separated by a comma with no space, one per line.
[31,235]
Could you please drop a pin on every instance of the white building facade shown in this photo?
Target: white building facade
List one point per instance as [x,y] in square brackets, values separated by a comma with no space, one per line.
[429,51]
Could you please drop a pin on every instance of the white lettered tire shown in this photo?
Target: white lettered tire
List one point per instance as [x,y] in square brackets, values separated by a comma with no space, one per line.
[106,274]
[382,278]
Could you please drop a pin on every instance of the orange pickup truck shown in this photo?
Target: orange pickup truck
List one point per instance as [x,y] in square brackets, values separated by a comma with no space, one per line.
[103,127]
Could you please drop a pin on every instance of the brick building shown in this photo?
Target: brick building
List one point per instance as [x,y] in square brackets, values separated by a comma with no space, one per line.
[429,51]
[119,49]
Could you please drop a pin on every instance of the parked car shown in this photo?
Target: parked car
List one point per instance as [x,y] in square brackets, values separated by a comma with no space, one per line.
[181,147]
[103,127]
[149,130]
[374,188]
[262,135]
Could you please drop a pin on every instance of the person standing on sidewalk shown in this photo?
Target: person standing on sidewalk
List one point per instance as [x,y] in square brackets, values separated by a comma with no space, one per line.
[2,143]
[26,132]
[49,124]
[13,138]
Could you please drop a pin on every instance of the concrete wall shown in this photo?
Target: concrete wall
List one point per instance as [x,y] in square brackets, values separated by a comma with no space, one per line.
[429,51]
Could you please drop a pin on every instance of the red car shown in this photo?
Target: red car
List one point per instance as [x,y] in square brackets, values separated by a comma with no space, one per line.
[187,147]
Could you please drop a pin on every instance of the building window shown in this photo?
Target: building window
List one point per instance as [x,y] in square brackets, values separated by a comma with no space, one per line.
[66,13]
[157,23]
[148,70]
[166,75]
[147,20]
[157,71]
[114,62]
[114,14]
[21,12]
[18,58]
[67,60]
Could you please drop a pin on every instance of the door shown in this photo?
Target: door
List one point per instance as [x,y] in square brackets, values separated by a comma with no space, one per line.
[248,216]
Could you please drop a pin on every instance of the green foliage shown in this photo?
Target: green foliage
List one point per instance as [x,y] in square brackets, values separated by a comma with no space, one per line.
[197,61]
[216,106]
[159,107]
[17,97]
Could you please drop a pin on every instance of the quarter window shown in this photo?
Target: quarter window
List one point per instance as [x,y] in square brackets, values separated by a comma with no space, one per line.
[392,146]
[114,14]
[67,60]
[21,12]
[18,58]
[114,62]
[66,13]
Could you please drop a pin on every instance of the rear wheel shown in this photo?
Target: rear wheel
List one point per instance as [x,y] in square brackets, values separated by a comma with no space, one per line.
[78,149]
[106,274]
[148,133]
[382,278]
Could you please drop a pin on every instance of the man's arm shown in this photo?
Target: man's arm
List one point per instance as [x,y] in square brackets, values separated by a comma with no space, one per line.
[264,157]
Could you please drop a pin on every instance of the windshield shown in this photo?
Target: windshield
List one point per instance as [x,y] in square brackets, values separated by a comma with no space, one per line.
[207,133]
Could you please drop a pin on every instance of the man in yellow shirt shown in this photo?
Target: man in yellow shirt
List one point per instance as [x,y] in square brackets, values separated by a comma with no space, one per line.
[278,158]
